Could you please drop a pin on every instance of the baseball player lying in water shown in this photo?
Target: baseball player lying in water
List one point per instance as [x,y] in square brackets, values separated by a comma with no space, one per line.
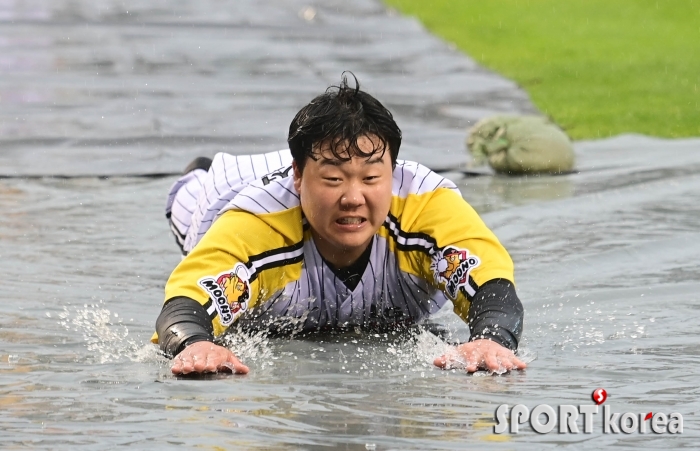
[334,233]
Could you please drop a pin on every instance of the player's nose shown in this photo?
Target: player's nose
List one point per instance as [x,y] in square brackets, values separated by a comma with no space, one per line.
[352,197]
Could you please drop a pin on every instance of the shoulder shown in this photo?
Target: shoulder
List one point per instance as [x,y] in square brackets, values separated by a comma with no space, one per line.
[248,234]
[411,177]
[428,211]
[273,193]
[420,194]
[235,170]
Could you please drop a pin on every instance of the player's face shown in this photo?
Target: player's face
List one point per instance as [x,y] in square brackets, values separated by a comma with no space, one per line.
[345,202]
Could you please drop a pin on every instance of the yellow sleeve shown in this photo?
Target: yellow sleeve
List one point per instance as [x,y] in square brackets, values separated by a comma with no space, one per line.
[238,262]
[467,253]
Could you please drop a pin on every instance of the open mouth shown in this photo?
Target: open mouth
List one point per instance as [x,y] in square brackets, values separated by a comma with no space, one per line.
[350,221]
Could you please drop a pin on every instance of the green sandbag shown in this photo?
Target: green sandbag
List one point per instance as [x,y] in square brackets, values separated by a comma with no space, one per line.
[521,145]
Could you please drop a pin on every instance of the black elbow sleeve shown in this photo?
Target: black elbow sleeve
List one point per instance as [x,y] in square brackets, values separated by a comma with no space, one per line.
[496,314]
[181,322]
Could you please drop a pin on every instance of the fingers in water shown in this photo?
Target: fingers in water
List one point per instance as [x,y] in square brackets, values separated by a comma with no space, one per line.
[452,361]
[491,362]
[240,367]
[182,364]
[236,368]
[476,357]
[210,366]
[441,362]
[519,364]
[198,364]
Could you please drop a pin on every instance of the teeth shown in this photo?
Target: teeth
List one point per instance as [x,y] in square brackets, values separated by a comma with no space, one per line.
[350,220]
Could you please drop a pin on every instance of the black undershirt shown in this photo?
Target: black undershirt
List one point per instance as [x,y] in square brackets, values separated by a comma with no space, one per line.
[351,275]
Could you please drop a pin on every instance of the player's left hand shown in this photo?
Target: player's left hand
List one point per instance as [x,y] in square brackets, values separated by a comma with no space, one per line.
[480,355]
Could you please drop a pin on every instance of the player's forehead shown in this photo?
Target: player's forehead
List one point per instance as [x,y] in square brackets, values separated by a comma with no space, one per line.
[334,152]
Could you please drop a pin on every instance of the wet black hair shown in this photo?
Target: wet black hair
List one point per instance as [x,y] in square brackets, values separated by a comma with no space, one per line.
[341,116]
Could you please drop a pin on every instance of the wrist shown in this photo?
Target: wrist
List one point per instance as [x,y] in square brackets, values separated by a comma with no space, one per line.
[498,335]
[192,340]
[182,321]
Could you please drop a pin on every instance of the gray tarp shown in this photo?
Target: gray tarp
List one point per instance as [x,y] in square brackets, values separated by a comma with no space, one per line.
[141,86]
[607,259]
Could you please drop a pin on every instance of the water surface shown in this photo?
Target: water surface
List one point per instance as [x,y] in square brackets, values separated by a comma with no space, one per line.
[607,259]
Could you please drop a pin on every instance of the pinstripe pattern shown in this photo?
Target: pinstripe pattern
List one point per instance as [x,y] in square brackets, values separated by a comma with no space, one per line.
[234,182]
[414,178]
[319,300]
[259,198]
[200,197]
[385,295]
[182,202]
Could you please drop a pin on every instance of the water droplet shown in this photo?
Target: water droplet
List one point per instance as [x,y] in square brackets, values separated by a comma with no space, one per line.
[308,13]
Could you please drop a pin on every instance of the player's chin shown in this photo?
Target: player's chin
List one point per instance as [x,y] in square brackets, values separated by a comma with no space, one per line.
[349,234]
[358,241]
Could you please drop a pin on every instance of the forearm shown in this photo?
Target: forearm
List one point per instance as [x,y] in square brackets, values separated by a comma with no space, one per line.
[496,314]
[181,322]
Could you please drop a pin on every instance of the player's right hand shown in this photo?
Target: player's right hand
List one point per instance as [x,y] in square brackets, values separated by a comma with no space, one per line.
[207,357]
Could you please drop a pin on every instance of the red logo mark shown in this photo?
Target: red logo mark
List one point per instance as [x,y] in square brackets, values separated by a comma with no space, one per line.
[599,396]
[648,416]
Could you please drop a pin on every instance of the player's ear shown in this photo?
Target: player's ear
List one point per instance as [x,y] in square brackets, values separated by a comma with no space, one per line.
[297,177]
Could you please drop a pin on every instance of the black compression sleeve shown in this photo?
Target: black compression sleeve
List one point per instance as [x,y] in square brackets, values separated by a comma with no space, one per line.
[496,314]
[182,321]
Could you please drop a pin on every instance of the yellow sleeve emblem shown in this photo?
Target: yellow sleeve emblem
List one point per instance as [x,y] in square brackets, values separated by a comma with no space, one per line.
[229,291]
[452,266]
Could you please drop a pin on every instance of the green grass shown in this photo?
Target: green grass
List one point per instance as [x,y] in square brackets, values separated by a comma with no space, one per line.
[597,67]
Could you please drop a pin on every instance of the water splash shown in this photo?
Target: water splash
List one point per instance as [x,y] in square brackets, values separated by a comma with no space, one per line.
[395,353]
[105,335]
[251,347]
